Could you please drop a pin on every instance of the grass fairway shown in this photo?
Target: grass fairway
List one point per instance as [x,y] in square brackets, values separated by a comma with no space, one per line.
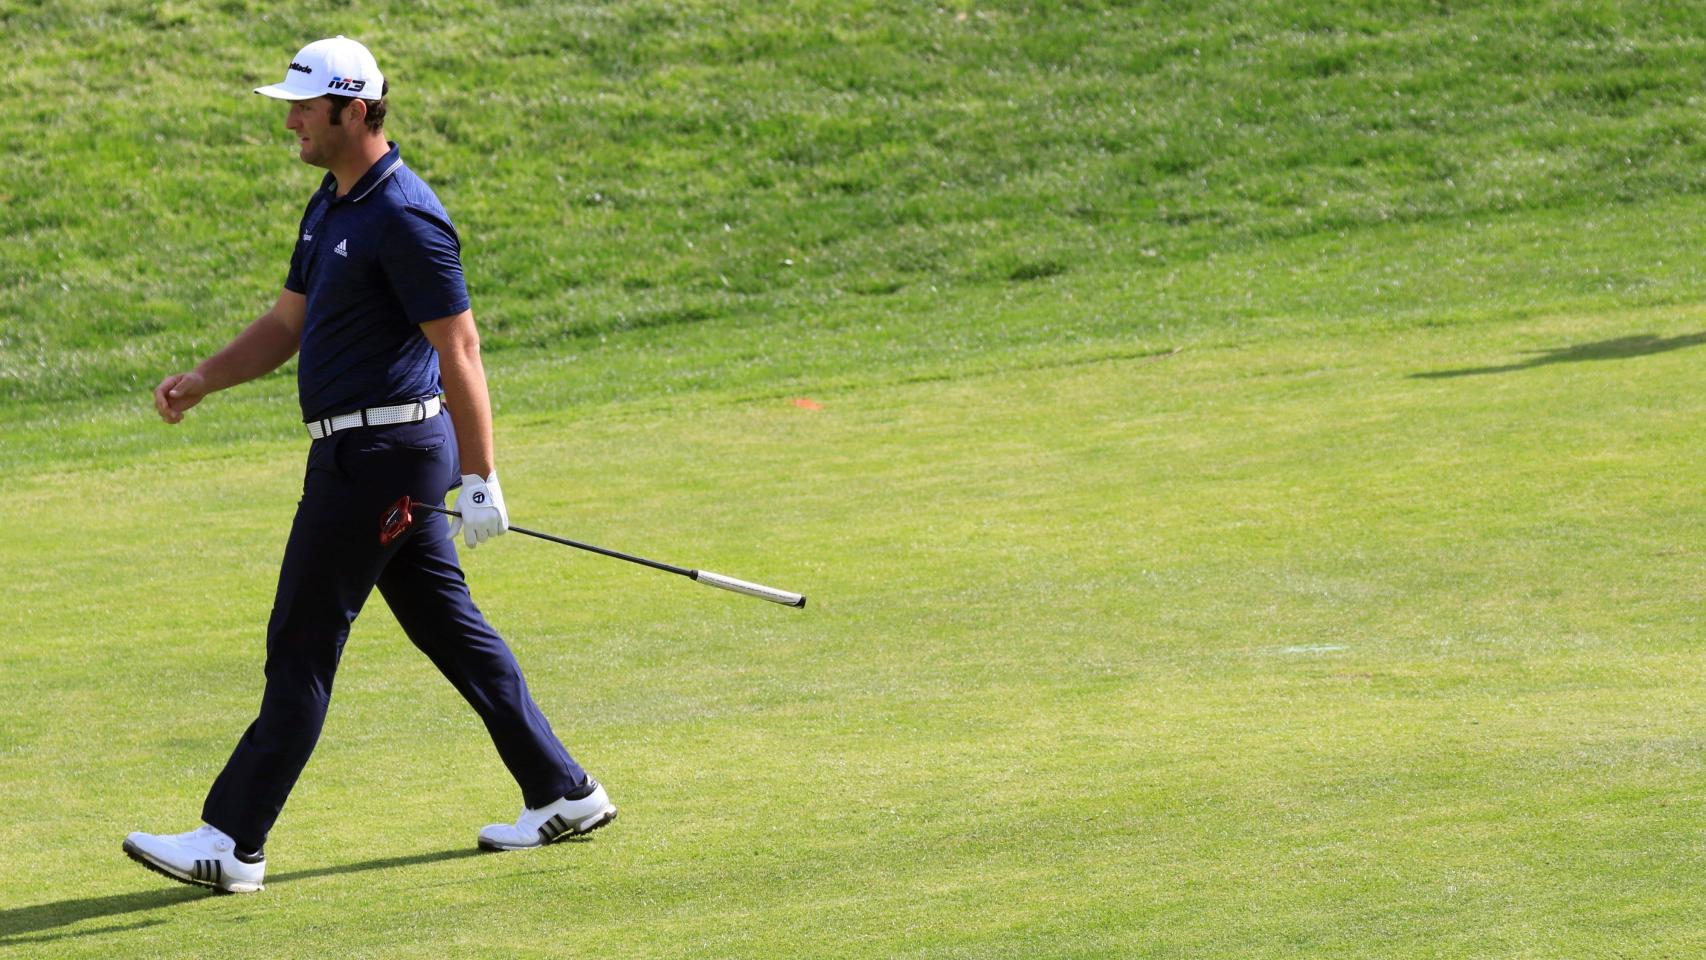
[1281,651]
[1252,510]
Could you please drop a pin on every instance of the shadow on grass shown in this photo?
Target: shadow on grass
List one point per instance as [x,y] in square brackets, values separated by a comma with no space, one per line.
[16,924]
[1620,348]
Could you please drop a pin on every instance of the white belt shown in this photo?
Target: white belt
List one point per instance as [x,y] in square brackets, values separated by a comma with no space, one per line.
[375,417]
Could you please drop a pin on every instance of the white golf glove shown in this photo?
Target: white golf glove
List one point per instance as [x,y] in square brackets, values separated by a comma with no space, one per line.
[482,508]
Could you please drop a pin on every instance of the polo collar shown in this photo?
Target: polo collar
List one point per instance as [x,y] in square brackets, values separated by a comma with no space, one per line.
[375,175]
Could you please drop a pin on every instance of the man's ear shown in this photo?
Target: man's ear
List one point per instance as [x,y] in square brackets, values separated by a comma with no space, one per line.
[355,114]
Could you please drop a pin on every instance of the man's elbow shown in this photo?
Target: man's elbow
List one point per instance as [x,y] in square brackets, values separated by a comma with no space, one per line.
[466,344]
[454,336]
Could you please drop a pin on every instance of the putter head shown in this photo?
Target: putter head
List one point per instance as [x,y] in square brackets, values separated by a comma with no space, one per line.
[395,522]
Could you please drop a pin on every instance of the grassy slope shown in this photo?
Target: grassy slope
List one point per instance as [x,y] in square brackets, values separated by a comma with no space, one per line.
[647,166]
[1269,648]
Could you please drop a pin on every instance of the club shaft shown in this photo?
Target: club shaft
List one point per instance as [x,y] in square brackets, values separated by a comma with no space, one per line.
[603,551]
[706,577]
[654,564]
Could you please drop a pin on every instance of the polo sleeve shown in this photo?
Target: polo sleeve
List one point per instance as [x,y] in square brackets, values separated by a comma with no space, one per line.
[422,260]
[294,281]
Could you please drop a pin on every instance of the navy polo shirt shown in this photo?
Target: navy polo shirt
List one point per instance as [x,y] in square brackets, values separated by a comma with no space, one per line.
[374,264]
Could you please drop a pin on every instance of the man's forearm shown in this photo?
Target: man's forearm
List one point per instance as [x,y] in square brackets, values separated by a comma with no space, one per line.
[470,406]
[471,415]
[457,341]
[261,348]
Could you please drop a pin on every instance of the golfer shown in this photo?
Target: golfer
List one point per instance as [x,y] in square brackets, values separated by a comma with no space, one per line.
[394,400]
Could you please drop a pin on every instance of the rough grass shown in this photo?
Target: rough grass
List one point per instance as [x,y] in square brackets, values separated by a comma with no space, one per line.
[643,167]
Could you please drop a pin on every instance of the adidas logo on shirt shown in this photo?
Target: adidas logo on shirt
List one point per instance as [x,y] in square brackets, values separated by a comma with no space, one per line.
[341,250]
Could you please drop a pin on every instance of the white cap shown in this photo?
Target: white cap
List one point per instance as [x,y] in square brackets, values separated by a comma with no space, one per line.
[338,66]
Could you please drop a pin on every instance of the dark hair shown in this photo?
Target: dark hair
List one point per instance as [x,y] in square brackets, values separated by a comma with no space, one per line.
[375,109]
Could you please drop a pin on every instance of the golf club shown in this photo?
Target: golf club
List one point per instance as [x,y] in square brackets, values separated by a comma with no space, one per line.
[399,517]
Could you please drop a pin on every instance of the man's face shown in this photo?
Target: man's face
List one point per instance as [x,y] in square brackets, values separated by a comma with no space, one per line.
[321,141]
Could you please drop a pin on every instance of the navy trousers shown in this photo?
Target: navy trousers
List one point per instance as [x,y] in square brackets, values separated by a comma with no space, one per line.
[331,564]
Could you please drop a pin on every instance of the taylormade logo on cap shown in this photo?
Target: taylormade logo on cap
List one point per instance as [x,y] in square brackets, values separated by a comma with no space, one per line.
[337,65]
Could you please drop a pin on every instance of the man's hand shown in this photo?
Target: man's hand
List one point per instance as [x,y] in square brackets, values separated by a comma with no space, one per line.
[482,508]
[178,393]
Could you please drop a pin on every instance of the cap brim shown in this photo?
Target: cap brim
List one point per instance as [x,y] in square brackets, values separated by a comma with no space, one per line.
[279,91]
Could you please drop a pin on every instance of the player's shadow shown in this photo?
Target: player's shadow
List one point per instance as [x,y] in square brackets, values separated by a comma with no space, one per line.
[21,925]
[1620,348]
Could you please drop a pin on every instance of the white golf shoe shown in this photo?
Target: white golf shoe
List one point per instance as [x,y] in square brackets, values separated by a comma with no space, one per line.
[548,824]
[205,856]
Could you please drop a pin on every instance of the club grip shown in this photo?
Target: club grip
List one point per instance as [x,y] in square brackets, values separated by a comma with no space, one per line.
[750,589]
